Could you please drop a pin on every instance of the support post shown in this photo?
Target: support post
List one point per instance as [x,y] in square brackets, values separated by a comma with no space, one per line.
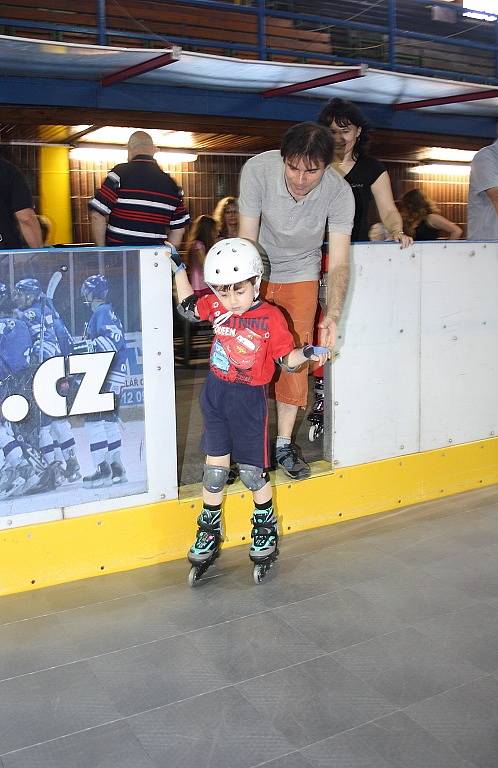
[261,30]
[55,192]
[392,34]
[101,23]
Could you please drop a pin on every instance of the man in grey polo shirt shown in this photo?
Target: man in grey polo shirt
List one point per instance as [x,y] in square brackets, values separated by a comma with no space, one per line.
[287,198]
[483,195]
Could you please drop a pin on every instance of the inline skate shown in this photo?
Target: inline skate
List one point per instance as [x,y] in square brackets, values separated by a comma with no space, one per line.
[315,416]
[206,547]
[264,548]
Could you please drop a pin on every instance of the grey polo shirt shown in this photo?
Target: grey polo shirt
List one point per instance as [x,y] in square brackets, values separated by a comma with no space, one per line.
[482,218]
[291,232]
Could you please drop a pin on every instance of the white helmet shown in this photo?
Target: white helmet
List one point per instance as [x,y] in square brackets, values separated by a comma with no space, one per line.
[232,261]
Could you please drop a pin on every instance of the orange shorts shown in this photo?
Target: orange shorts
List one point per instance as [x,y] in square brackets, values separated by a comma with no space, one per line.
[298,302]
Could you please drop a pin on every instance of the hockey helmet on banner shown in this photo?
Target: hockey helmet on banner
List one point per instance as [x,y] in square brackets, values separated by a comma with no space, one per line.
[232,261]
[26,292]
[94,287]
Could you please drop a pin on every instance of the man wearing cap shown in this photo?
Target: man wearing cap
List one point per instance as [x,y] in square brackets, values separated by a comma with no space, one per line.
[138,203]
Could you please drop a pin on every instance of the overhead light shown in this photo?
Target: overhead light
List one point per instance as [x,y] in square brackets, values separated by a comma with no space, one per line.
[449,154]
[174,158]
[442,169]
[485,10]
[99,155]
[114,156]
[110,134]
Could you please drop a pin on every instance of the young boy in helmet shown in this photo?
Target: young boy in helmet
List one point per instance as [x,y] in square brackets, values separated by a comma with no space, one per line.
[250,336]
[104,333]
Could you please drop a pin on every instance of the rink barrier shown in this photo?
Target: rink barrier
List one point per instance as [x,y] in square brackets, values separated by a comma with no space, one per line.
[94,545]
[370,471]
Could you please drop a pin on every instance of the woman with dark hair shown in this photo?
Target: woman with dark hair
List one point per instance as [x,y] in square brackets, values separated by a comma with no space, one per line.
[367,176]
[422,219]
[203,235]
[226,215]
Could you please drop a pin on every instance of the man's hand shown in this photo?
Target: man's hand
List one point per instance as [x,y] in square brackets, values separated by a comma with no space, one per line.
[328,330]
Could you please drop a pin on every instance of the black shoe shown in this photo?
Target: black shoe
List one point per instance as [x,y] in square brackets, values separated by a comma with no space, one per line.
[289,460]
[72,471]
[118,473]
[102,477]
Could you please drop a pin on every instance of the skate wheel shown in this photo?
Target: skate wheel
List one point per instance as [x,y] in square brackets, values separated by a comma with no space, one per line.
[258,574]
[193,576]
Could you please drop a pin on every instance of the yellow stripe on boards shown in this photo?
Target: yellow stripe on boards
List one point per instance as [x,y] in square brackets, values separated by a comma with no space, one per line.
[51,553]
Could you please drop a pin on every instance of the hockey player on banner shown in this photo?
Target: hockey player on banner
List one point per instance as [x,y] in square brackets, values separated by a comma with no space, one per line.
[104,333]
[56,441]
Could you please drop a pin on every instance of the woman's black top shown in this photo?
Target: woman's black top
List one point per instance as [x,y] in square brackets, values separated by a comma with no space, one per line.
[424,231]
[360,178]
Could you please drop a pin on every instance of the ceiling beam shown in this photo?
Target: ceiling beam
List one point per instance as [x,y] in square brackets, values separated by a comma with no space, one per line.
[456,99]
[337,77]
[146,66]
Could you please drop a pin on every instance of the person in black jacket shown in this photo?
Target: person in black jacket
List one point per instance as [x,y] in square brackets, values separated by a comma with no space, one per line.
[19,226]
[367,176]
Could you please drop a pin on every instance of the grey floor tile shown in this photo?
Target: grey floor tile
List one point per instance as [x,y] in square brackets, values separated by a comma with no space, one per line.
[339,619]
[111,746]
[406,666]
[471,633]
[357,561]
[475,572]
[218,730]
[117,624]
[465,719]
[66,596]
[34,644]
[46,705]
[394,741]
[229,593]
[314,700]
[413,597]
[156,674]
[294,760]
[252,646]
[296,578]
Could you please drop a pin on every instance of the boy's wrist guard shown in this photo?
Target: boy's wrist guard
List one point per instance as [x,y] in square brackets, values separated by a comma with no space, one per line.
[309,350]
[187,308]
[175,259]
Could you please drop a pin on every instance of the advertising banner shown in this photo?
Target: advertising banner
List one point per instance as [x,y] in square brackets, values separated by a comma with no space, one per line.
[72,427]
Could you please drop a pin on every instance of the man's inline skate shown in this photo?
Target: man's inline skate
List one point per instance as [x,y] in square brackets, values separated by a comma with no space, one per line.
[264,548]
[206,546]
[315,416]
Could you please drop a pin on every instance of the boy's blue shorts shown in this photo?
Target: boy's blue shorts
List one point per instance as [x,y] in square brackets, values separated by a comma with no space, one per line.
[235,421]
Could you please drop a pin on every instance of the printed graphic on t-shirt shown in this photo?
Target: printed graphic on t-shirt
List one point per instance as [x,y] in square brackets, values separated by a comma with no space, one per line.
[239,347]
[242,348]
[219,358]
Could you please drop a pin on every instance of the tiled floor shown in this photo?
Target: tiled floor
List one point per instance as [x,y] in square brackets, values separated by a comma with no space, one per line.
[373,644]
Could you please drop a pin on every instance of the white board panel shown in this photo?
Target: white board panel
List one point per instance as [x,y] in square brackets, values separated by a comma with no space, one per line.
[459,343]
[375,379]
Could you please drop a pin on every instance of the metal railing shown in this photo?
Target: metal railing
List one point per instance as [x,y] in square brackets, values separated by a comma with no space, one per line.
[388,34]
